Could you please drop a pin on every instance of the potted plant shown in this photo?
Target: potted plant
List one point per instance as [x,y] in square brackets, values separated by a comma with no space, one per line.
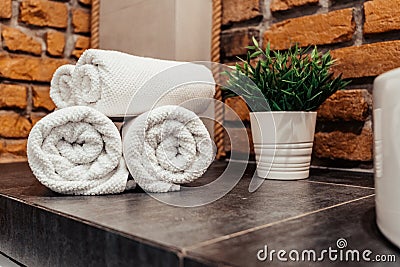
[283,89]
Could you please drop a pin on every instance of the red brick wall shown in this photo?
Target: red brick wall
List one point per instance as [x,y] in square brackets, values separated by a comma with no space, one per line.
[364,38]
[37,36]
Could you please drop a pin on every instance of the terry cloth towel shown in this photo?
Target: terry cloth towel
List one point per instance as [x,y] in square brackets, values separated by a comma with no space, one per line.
[166,147]
[61,86]
[116,83]
[78,151]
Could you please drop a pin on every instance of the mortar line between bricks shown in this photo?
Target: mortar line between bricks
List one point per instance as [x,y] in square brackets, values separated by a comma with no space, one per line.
[260,227]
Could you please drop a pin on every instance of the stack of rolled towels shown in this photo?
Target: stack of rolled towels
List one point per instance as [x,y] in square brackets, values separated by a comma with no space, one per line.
[78,150]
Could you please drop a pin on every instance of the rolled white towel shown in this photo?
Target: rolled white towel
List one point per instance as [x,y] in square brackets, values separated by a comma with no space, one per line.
[166,147]
[61,89]
[78,150]
[109,80]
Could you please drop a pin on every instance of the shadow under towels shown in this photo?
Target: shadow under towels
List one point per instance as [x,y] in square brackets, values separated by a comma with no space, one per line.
[116,83]
[78,150]
[166,147]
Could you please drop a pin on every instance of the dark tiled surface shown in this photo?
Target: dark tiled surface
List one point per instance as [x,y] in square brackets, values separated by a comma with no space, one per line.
[17,175]
[363,179]
[148,228]
[354,221]
[139,215]
[36,237]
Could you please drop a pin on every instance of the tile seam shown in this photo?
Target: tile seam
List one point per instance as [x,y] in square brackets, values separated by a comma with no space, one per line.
[337,184]
[253,229]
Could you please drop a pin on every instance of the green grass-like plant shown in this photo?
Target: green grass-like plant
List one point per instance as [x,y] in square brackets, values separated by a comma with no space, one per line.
[293,80]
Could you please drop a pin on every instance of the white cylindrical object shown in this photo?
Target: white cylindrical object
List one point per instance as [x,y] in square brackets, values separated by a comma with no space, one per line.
[387,153]
[283,143]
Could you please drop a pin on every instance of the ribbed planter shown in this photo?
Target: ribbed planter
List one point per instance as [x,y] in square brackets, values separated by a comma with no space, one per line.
[283,143]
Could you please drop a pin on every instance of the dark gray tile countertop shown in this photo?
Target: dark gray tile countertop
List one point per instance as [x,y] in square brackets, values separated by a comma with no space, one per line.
[42,228]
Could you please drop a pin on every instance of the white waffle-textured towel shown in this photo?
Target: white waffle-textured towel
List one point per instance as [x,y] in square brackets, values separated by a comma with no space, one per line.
[78,150]
[61,90]
[166,147]
[116,83]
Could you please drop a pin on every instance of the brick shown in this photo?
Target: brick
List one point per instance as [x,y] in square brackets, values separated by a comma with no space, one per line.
[281,5]
[381,16]
[345,145]
[82,43]
[44,13]
[13,147]
[35,117]
[12,95]
[85,2]
[41,98]
[16,40]
[13,125]
[81,21]
[55,43]
[240,140]
[239,107]
[333,27]
[367,60]
[346,105]
[239,10]
[5,9]
[28,68]
[7,158]
[234,43]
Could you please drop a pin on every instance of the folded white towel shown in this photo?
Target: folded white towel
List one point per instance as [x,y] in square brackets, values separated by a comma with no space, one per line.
[61,90]
[166,147]
[116,83]
[78,150]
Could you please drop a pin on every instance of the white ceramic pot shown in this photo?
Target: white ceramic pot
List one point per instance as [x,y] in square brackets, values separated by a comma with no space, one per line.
[283,142]
[387,153]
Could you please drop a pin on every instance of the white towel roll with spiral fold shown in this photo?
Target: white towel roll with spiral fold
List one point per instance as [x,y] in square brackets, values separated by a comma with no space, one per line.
[78,151]
[119,84]
[166,147]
